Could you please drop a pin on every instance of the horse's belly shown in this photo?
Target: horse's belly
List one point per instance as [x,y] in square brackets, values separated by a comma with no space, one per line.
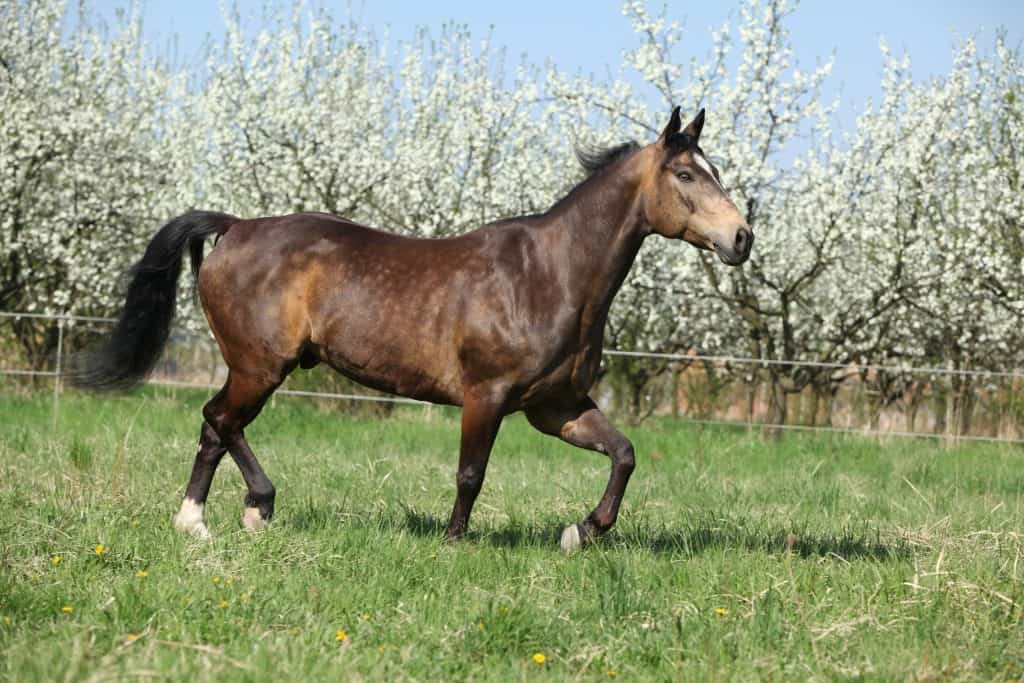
[380,366]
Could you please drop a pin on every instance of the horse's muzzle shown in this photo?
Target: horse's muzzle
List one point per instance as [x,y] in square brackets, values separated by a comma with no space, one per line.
[738,252]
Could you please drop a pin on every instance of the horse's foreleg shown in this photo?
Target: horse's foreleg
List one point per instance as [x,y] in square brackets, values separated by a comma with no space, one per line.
[190,517]
[585,426]
[481,418]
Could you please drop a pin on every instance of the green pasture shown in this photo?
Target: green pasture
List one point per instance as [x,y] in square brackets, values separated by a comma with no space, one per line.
[817,557]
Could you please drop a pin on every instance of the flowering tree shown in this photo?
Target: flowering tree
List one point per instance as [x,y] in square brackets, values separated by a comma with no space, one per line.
[953,195]
[856,235]
[755,115]
[310,117]
[896,242]
[82,162]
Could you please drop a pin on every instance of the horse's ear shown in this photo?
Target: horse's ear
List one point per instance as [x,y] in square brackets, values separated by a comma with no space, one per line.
[672,128]
[693,130]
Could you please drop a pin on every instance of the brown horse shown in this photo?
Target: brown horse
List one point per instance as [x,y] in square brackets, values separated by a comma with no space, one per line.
[508,317]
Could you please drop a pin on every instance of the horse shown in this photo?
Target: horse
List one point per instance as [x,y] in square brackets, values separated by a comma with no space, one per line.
[509,317]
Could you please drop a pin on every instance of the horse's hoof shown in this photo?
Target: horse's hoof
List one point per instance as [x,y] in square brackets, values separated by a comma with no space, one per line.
[198,530]
[571,540]
[189,520]
[253,520]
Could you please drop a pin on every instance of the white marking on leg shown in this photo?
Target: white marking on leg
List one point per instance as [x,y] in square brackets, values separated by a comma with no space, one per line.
[190,519]
[571,539]
[253,520]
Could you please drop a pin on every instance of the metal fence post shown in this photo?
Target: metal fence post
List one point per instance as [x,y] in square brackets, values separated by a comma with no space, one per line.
[58,366]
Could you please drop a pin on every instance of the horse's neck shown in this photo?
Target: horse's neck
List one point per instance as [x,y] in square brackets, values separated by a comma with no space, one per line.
[600,231]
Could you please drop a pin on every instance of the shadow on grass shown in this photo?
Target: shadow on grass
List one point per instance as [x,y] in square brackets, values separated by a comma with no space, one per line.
[513,535]
[696,535]
[845,544]
[694,538]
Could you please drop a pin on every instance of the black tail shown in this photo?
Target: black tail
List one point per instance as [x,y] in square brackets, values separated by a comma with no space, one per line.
[144,325]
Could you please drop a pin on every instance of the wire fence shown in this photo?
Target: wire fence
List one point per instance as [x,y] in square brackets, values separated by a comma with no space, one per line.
[679,402]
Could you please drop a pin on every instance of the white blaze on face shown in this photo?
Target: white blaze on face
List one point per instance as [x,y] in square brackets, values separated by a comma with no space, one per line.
[703,163]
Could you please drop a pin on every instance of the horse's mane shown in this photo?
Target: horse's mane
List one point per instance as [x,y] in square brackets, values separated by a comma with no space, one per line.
[594,159]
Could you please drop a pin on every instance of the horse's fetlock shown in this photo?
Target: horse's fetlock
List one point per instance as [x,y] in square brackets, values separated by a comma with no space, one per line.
[599,523]
[262,498]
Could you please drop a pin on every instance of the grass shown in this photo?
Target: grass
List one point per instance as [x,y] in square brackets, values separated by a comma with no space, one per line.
[905,565]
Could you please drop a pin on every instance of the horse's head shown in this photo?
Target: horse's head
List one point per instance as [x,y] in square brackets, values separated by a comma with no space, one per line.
[683,197]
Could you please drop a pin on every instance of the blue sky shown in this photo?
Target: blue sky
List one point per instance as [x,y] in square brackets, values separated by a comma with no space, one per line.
[591,36]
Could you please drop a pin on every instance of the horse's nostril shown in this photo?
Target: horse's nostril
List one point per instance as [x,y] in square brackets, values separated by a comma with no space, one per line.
[743,239]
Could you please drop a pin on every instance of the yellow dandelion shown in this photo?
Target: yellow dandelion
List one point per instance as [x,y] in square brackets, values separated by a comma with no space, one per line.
[721,612]
[223,603]
[142,573]
[611,673]
[382,648]
[341,636]
[135,522]
[67,609]
[131,637]
[539,657]
[243,597]
[216,579]
[229,581]
[480,626]
[100,549]
[56,559]
[366,617]
[7,620]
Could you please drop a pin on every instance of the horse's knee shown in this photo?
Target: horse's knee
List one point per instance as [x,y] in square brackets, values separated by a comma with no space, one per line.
[469,480]
[624,458]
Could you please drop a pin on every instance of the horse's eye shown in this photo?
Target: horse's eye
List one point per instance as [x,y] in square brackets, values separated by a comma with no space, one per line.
[685,177]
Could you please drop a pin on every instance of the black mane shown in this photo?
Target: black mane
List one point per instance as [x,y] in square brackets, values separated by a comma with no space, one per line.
[595,159]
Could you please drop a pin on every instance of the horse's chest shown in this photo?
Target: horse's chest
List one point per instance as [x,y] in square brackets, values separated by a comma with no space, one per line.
[585,369]
[571,377]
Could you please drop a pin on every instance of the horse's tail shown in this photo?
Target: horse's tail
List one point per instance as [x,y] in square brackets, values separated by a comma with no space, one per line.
[143,326]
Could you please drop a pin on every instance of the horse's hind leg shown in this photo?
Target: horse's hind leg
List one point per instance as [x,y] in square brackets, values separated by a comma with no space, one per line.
[585,426]
[228,414]
[190,517]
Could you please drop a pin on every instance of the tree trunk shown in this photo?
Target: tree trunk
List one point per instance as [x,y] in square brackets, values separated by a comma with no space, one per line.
[675,391]
[913,405]
[875,410]
[939,407]
[965,406]
[830,404]
[776,417]
[811,416]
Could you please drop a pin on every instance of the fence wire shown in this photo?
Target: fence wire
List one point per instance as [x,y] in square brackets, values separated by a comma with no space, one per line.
[65,321]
